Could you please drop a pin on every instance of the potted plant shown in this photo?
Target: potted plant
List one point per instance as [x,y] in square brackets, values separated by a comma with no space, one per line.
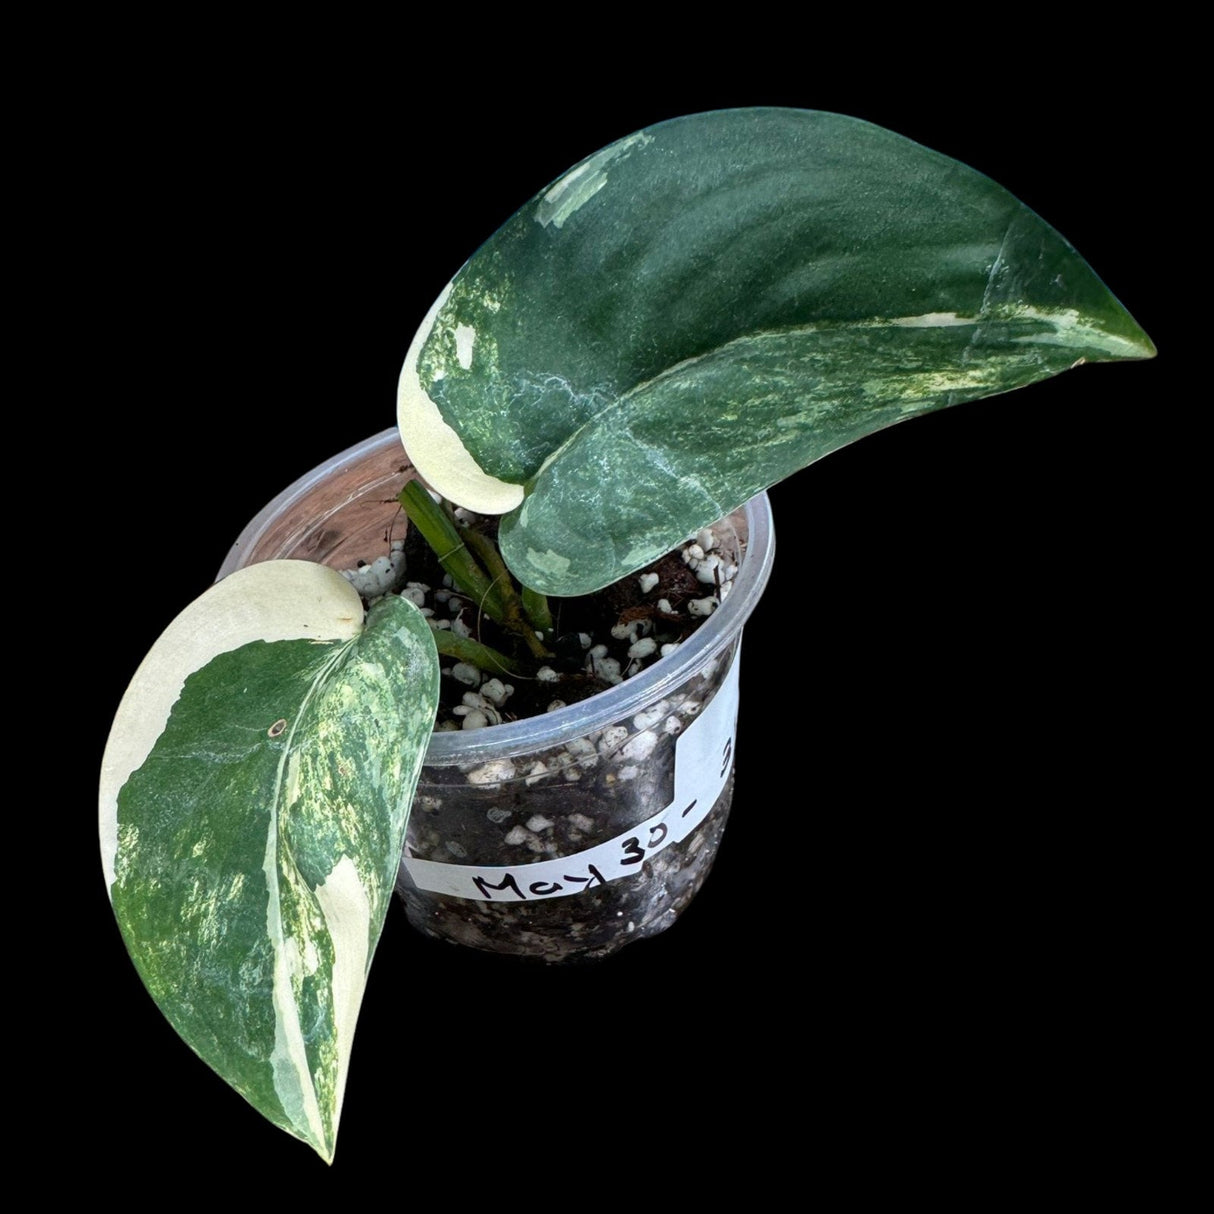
[599,736]
[691,314]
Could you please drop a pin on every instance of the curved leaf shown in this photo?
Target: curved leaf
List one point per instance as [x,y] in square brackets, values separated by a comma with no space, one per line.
[254,797]
[701,309]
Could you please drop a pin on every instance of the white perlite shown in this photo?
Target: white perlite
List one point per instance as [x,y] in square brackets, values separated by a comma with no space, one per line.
[477,711]
[496,771]
[497,692]
[465,672]
[642,648]
[381,575]
[607,669]
[520,836]
[710,567]
[647,718]
[612,738]
[640,746]
[583,751]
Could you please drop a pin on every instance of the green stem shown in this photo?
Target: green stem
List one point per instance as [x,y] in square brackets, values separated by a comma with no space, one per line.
[512,605]
[483,657]
[439,531]
[536,607]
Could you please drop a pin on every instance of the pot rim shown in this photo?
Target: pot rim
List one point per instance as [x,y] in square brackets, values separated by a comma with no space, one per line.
[598,711]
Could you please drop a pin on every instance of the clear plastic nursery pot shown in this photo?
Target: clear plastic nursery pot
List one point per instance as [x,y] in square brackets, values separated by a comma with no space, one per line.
[565,835]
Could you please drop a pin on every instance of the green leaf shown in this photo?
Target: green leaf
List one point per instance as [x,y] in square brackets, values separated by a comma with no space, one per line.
[701,309]
[254,797]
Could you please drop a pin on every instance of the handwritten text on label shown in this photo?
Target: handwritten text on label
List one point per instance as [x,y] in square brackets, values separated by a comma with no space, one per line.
[703,759]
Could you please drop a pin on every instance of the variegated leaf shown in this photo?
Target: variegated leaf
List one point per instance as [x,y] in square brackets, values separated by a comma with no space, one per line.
[254,796]
[701,309]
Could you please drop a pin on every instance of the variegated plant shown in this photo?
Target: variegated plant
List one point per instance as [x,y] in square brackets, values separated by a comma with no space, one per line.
[681,320]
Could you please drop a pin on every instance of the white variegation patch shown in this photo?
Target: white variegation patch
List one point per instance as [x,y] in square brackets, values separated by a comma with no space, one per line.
[1068,328]
[548,562]
[292,1075]
[347,914]
[932,320]
[465,339]
[582,183]
[433,446]
[347,911]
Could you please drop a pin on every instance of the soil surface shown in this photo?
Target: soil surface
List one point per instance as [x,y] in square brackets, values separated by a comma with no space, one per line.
[575,619]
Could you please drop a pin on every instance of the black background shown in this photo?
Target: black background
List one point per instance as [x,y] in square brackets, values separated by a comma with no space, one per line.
[919,915]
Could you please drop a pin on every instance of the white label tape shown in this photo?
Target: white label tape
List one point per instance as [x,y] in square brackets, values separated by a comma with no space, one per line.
[702,762]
